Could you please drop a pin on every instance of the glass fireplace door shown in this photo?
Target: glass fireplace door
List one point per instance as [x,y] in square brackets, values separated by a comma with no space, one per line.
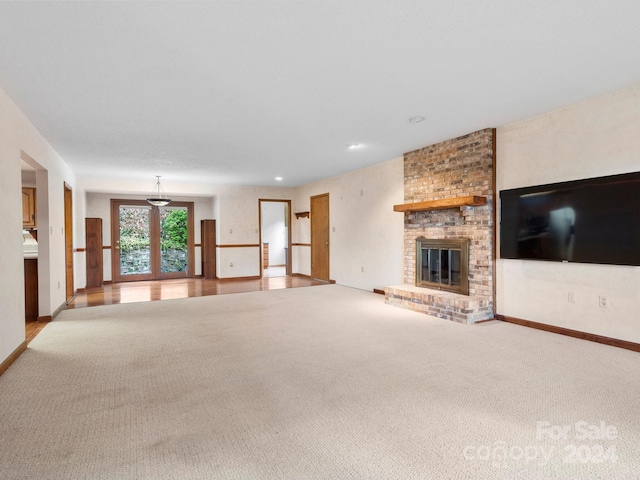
[442,264]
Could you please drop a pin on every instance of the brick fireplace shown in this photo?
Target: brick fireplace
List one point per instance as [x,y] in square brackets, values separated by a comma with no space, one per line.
[448,190]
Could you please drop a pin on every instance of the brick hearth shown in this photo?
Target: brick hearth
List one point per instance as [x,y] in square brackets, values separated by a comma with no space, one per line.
[437,303]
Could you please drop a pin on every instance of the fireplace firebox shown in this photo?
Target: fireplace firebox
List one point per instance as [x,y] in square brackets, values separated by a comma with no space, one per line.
[443,264]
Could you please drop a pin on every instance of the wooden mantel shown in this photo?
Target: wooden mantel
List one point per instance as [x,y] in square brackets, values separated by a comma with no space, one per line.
[468,201]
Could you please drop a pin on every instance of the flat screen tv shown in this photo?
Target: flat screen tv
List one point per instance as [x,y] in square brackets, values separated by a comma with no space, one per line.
[596,220]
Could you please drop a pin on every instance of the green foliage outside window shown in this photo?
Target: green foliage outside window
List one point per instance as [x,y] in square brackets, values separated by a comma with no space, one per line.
[134,229]
[173,228]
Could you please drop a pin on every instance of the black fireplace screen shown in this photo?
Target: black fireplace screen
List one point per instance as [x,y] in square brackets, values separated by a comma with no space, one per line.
[443,264]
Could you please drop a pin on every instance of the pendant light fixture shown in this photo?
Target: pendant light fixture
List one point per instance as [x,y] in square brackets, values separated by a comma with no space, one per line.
[158,197]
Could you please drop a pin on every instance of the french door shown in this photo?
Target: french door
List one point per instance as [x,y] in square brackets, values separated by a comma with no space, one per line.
[149,242]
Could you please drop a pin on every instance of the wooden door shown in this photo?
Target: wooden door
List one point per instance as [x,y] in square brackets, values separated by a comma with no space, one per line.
[93,232]
[208,248]
[320,237]
[68,242]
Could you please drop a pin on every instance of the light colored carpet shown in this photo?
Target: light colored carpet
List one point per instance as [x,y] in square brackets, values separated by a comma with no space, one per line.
[325,382]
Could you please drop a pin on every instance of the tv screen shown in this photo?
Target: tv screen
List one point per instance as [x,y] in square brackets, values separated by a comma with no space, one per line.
[596,220]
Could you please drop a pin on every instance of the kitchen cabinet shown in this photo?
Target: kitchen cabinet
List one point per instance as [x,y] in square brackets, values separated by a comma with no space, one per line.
[28,207]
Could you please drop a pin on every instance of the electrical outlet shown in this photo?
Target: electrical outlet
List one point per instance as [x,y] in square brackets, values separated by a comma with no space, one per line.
[58,284]
[571,297]
[231,264]
[603,302]
[362,269]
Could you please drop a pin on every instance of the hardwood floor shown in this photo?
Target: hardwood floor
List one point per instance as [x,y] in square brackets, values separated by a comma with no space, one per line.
[147,291]
[151,291]
[32,328]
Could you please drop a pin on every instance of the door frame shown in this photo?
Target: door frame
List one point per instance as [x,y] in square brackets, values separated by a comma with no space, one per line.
[154,227]
[314,246]
[287,208]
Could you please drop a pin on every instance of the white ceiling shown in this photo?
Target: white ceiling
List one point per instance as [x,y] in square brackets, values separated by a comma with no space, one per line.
[240,92]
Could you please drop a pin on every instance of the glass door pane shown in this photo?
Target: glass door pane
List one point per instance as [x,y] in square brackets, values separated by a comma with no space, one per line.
[135,240]
[173,239]
[444,266]
[424,257]
[434,265]
[456,266]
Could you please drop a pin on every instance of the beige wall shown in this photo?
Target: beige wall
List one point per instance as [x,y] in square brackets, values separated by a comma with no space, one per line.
[366,222]
[98,205]
[366,235]
[595,138]
[238,225]
[235,209]
[21,141]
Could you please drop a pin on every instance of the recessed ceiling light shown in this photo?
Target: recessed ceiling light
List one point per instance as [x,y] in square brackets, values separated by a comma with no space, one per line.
[353,146]
[279,179]
[417,119]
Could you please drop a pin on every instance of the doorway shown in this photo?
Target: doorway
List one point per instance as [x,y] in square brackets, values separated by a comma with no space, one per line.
[320,237]
[150,242]
[275,237]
